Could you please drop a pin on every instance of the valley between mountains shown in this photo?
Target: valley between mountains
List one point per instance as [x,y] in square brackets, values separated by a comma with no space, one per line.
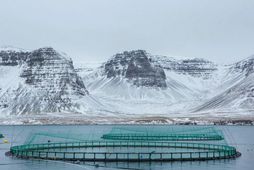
[45,86]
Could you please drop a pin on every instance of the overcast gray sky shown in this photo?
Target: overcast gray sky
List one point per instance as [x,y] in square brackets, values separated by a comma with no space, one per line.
[94,30]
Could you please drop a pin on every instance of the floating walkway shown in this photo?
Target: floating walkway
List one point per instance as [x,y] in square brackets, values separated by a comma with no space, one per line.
[70,151]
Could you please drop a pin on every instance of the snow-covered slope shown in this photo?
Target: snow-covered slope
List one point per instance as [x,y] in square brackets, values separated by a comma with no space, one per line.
[238,90]
[118,78]
[239,97]
[132,83]
[144,89]
[41,81]
[196,67]
[191,85]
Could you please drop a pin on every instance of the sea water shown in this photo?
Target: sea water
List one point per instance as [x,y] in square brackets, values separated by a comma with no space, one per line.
[242,137]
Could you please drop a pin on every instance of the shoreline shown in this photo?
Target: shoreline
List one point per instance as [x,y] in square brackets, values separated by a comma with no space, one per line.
[109,120]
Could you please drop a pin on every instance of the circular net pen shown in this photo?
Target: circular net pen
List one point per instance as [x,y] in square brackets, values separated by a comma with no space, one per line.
[164,133]
[130,151]
[140,146]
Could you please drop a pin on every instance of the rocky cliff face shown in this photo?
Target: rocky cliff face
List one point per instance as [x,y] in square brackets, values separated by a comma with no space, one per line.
[245,66]
[195,67]
[45,81]
[12,57]
[51,84]
[49,70]
[136,66]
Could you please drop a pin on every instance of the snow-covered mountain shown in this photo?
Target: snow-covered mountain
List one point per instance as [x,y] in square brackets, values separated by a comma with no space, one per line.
[134,75]
[129,84]
[40,81]
[238,94]
[136,82]
[192,86]
[11,56]
[136,67]
[196,67]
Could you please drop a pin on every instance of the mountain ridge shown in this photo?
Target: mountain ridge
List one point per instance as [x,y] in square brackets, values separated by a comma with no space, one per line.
[130,83]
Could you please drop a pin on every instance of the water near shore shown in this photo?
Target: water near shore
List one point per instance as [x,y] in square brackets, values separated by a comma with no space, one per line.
[241,137]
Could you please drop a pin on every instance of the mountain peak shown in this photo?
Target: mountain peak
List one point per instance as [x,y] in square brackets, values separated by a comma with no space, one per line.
[51,82]
[195,67]
[47,51]
[137,68]
[135,52]
[244,66]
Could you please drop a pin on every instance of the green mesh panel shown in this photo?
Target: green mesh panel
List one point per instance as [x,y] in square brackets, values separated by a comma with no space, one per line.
[130,143]
[168,133]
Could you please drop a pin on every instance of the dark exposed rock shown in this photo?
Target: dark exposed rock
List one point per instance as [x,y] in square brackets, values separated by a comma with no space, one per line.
[195,67]
[46,68]
[136,67]
[245,66]
[52,84]
[12,58]
[118,65]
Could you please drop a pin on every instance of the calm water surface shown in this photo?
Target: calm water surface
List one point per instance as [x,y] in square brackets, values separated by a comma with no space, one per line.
[241,137]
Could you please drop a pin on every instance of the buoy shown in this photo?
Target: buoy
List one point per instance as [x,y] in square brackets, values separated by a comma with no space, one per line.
[5,141]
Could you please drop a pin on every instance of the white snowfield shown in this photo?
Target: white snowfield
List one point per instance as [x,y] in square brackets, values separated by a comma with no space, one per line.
[227,92]
[210,93]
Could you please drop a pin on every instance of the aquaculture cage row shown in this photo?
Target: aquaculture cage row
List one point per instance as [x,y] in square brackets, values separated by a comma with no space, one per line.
[163,137]
[66,151]
[164,134]
[130,143]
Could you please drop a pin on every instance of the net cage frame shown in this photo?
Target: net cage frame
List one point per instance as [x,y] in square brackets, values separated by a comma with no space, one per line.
[156,138]
[192,140]
[41,151]
[169,134]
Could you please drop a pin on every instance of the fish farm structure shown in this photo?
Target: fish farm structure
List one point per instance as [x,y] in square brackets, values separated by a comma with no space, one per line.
[166,134]
[130,144]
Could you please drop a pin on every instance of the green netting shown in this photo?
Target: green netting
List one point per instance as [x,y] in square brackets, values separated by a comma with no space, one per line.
[169,133]
[44,137]
[66,151]
[130,143]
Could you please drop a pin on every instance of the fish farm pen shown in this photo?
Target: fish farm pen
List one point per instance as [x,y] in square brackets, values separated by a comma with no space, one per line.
[130,144]
[167,134]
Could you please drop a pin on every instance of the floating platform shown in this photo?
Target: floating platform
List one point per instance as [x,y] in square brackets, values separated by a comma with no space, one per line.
[132,151]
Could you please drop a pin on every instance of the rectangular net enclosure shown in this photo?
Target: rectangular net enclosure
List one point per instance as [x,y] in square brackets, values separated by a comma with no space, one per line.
[130,144]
